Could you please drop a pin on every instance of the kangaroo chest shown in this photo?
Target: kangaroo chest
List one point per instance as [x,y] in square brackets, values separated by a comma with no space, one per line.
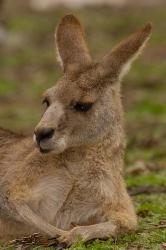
[68,199]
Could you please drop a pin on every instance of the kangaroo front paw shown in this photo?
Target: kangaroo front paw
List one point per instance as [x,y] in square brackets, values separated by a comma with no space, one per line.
[77,233]
[87,233]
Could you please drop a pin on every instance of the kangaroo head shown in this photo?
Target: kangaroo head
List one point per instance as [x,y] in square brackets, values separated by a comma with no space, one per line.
[84,105]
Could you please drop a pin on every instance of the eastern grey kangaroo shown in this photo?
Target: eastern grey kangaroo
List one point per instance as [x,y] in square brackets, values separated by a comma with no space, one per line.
[69,183]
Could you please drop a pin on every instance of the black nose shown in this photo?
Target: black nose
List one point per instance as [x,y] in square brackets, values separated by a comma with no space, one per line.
[43,133]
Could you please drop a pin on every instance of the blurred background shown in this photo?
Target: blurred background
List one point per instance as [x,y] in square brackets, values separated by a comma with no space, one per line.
[28,64]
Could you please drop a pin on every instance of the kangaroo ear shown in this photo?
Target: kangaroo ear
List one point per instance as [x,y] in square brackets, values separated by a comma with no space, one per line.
[117,63]
[71,45]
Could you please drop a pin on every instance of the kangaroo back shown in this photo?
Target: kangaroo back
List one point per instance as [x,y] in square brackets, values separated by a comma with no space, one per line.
[8,137]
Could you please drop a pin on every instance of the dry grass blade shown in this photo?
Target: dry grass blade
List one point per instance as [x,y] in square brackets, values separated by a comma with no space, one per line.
[36,239]
[31,240]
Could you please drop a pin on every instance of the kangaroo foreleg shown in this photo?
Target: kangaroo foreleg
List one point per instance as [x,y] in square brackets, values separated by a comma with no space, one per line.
[33,219]
[13,214]
[121,223]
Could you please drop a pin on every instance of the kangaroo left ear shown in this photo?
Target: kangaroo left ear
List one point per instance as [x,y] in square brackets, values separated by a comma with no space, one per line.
[71,45]
[117,63]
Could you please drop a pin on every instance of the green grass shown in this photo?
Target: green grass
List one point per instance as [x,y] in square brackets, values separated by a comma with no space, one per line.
[27,70]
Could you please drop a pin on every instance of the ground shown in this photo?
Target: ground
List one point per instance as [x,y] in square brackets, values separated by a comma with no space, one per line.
[29,66]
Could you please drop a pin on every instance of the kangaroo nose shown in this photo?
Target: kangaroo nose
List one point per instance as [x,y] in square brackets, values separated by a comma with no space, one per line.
[43,133]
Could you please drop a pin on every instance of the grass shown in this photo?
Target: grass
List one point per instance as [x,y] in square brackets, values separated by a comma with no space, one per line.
[27,70]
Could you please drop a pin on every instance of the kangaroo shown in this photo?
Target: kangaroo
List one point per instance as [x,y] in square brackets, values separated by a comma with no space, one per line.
[69,183]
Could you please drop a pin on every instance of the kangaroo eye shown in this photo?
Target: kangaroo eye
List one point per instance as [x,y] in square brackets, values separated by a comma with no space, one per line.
[46,103]
[82,107]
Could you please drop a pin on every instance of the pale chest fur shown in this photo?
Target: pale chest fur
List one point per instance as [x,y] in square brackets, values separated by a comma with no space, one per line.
[73,195]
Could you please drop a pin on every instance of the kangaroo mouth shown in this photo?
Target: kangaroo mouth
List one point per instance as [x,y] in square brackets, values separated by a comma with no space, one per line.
[44,151]
[45,146]
[51,144]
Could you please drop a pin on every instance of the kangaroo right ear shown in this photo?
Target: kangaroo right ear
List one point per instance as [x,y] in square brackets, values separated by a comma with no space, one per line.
[118,61]
[71,46]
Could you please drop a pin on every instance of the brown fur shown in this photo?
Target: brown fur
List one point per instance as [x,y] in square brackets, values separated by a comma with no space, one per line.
[80,181]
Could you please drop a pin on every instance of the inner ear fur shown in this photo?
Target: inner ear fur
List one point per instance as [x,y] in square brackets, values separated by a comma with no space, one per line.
[118,61]
[71,45]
